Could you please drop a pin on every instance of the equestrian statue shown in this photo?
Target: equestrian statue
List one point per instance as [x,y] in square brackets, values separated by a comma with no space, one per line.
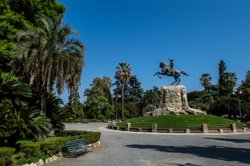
[170,71]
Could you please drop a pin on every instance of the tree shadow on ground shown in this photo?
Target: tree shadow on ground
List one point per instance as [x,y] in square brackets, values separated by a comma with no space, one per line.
[185,164]
[212,152]
[230,140]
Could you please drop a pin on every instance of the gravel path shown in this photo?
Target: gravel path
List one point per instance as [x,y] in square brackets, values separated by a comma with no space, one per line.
[129,149]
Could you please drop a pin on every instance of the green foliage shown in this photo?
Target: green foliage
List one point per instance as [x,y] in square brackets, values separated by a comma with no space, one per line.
[227,80]
[194,95]
[225,106]
[243,92]
[74,108]
[152,97]
[28,147]
[133,96]
[90,137]
[201,99]
[55,112]
[6,155]
[18,118]
[35,150]
[98,99]
[66,133]
[206,81]
[22,15]
[180,121]
[134,91]
[28,122]
[101,117]
[30,152]
[123,76]
[59,58]
[149,108]
[10,24]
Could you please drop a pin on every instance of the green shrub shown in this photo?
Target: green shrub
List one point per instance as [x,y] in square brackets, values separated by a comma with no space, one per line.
[95,120]
[30,148]
[6,155]
[72,133]
[101,117]
[51,147]
[89,136]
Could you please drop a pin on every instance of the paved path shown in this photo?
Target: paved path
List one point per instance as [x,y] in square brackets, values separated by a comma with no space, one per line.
[128,149]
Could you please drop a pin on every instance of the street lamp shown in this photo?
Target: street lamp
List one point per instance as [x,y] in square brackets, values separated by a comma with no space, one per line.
[238,95]
[116,98]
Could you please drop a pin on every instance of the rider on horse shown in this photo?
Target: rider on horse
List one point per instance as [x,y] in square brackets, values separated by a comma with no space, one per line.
[169,71]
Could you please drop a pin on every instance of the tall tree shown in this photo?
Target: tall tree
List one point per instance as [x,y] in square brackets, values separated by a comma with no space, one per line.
[243,93]
[98,99]
[74,107]
[151,97]
[133,96]
[221,82]
[16,15]
[227,80]
[123,74]
[206,81]
[47,55]
[135,91]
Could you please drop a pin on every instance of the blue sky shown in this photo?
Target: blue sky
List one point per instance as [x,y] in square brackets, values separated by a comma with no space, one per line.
[196,33]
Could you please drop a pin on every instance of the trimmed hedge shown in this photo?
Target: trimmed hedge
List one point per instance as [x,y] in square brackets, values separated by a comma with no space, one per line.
[54,145]
[90,137]
[6,155]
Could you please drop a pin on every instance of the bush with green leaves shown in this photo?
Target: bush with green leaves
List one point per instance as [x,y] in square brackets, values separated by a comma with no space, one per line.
[6,155]
[148,108]
[19,119]
[101,117]
[28,147]
[53,145]
[90,137]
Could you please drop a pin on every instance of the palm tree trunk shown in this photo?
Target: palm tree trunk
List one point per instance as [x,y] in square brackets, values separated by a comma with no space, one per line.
[122,101]
[43,103]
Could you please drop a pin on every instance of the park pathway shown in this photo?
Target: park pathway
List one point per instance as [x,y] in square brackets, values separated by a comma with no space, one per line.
[129,149]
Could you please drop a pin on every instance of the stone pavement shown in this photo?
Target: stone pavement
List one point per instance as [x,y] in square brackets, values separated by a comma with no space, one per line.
[130,149]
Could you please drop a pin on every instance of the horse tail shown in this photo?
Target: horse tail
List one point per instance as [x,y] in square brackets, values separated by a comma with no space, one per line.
[184,73]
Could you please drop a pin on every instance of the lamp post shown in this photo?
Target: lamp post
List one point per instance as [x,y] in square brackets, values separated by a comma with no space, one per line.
[239,93]
[116,96]
[116,107]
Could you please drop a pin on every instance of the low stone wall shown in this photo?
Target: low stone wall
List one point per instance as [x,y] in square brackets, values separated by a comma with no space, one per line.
[203,129]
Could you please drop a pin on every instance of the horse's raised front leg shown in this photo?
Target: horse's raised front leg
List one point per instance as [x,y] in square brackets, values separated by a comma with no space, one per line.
[158,74]
[174,82]
[178,81]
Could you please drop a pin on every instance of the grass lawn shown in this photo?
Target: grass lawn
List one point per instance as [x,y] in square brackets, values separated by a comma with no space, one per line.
[180,122]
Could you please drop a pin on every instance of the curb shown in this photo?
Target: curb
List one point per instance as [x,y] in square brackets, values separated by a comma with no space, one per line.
[104,128]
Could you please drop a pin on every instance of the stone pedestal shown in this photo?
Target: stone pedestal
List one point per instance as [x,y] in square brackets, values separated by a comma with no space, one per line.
[174,101]
[154,127]
[233,127]
[128,126]
[204,128]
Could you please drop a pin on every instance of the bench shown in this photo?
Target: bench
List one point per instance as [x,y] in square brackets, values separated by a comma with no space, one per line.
[78,146]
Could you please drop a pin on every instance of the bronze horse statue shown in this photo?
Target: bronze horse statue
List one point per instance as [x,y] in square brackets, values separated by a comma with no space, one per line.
[169,71]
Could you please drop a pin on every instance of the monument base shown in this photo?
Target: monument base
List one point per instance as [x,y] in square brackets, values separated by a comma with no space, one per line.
[174,101]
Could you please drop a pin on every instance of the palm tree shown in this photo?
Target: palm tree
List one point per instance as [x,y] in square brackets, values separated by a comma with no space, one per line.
[206,81]
[151,97]
[55,112]
[17,118]
[49,55]
[123,74]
